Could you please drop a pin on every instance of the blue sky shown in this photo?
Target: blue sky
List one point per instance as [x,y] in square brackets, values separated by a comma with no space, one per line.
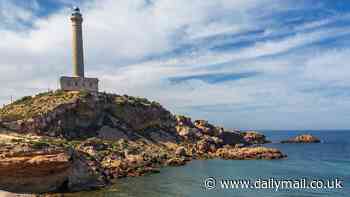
[249,64]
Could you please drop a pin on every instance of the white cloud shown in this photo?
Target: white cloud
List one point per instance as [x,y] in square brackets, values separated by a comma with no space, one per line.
[329,66]
[13,15]
[129,45]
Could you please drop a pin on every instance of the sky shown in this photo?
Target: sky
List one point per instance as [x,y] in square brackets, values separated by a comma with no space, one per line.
[248,64]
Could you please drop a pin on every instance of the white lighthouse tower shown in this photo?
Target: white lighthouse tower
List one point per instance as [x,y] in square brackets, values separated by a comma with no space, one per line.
[78,81]
[77,43]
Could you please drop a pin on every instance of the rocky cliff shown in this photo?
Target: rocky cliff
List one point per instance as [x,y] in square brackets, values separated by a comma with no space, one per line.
[69,141]
[78,115]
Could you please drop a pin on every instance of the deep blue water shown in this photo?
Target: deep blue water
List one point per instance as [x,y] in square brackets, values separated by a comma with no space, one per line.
[327,160]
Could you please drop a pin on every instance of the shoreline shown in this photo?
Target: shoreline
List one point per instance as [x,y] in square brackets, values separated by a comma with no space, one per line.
[75,141]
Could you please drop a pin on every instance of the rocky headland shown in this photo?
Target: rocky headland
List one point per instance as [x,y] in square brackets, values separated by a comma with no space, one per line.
[306,138]
[72,141]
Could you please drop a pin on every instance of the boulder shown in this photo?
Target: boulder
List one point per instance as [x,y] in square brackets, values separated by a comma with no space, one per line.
[176,162]
[181,151]
[208,144]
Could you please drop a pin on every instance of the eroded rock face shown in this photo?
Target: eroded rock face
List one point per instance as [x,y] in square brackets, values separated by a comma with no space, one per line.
[35,172]
[302,139]
[85,174]
[9,194]
[80,115]
[109,133]
[39,168]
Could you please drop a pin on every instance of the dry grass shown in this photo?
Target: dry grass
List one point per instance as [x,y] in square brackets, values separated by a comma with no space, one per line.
[36,105]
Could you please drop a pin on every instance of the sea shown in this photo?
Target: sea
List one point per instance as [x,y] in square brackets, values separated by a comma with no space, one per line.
[321,169]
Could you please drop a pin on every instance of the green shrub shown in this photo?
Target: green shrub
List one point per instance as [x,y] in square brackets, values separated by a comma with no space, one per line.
[40,145]
[84,94]
[23,100]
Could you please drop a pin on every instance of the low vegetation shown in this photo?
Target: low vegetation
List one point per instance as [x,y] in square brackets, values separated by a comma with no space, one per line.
[31,106]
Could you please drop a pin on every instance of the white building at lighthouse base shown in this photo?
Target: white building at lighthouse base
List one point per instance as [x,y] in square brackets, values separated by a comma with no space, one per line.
[79,84]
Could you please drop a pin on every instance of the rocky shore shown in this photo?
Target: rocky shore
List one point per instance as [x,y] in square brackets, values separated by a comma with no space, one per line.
[253,137]
[72,141]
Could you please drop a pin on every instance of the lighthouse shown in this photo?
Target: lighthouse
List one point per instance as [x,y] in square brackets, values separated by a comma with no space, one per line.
[78,81]
[77,43]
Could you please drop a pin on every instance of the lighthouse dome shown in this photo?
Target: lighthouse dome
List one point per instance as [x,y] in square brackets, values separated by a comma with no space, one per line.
[75,11]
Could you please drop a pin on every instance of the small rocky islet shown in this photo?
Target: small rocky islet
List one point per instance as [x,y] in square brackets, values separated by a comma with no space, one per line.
[66,141]
[302,139]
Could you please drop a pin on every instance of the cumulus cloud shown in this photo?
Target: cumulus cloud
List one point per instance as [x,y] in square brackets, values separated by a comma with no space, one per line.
[17,17]
[139,47]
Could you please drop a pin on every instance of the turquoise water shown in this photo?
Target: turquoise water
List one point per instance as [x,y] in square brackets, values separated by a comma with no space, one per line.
[327,160]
